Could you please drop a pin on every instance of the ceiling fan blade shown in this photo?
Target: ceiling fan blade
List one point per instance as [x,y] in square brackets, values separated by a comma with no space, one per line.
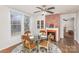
[49,11]
[39,8]
[51,8]
[36,11]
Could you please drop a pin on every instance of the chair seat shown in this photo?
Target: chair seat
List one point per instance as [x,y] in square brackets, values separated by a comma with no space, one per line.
[43,43]
[32,45]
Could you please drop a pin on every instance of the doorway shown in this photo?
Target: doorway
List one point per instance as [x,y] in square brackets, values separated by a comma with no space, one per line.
[69,25]
[69,30]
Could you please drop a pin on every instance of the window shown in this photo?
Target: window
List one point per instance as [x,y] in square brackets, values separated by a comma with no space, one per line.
[40,24]
[15,23]
[26,23]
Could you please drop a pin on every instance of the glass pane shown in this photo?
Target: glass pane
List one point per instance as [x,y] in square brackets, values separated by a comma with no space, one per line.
[15,29]
[16,18]
[26,23]
[38,24]
[42,24]
[15,23]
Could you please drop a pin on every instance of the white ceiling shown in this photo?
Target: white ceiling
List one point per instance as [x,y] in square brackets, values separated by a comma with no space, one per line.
[58,8]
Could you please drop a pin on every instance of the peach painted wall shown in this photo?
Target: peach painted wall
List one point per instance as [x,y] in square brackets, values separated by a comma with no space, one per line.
[52,19]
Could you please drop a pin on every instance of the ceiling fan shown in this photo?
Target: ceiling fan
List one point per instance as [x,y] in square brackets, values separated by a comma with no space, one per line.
[45,9]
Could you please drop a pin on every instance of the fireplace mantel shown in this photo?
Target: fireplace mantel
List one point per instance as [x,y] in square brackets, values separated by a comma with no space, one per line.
[51,28]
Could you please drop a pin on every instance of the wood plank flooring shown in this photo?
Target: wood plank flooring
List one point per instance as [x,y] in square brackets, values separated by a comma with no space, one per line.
[62,44]
[9,49]
[68,49]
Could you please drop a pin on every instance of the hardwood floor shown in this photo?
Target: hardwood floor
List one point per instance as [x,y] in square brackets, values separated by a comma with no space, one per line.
[9,49]
[64,45]
[68,44]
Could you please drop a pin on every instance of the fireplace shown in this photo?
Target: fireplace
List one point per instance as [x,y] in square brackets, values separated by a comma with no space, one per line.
[52,34]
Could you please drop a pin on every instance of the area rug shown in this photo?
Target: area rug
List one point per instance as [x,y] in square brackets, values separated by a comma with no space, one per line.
[52,48]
